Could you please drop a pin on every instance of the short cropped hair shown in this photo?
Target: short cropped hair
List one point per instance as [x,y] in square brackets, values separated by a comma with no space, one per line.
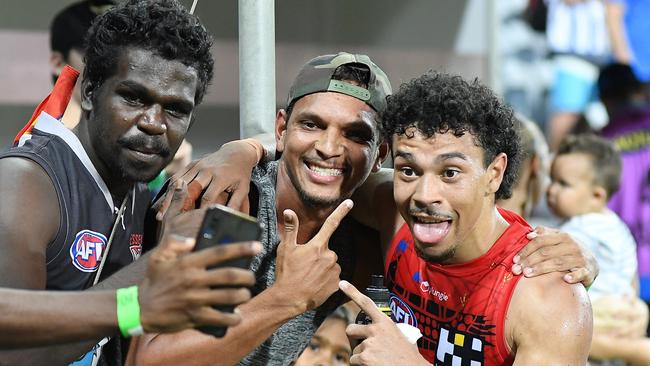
[440,103]
[164,27]
[605,158]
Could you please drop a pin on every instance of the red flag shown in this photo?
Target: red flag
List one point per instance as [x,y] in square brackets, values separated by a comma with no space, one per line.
[55,103]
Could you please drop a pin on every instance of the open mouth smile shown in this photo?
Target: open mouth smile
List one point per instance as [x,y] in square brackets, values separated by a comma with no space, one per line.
[324,173]
[430,229]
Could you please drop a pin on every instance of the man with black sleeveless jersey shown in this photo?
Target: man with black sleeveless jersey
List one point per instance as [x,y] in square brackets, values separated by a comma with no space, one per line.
[74,202]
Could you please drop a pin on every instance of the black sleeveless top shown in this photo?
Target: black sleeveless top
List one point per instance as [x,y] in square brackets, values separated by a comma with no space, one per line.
[87,211]
[87,216]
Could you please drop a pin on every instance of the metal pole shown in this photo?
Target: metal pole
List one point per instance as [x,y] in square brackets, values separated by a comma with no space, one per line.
[494,50]
[256,67]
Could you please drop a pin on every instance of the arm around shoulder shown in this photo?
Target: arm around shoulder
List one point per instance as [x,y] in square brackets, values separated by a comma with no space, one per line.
[549,322]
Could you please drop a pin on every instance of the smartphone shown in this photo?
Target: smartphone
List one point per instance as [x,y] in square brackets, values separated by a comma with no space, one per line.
[222,226]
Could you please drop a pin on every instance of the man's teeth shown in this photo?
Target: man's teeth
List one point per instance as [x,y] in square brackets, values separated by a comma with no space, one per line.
[326,171]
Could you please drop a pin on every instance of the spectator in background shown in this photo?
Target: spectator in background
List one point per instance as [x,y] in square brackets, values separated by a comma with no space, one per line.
[628,27]
[533,172]
[577,37]
[629,128]
[67,33]
[621,316]
[584,175]
[330,346]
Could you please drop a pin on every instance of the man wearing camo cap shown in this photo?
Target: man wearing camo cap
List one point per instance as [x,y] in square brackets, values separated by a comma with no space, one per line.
[329,143]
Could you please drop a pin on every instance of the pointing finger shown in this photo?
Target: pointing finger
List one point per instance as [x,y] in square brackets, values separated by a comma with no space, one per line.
[163,203]
[332,223]
[364,302]
[186,175]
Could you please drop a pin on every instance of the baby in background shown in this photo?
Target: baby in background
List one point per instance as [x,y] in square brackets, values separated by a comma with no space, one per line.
[584,174]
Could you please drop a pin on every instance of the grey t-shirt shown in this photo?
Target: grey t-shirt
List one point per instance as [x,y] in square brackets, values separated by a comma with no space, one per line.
[292,337]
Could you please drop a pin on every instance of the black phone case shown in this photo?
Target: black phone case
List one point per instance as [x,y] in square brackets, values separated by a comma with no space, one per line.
[222,226]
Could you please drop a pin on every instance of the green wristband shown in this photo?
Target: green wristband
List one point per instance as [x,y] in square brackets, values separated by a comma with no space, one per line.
[128,311]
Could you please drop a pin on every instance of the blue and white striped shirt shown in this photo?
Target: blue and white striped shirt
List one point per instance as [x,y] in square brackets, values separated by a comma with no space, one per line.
[578,28]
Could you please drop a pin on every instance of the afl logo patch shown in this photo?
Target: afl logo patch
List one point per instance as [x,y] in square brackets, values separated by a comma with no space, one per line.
[402,313]
[87,250]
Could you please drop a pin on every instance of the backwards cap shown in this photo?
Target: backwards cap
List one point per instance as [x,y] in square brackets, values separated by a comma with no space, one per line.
[316,76]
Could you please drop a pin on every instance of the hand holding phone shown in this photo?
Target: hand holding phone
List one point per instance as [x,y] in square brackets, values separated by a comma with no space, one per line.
[222,226]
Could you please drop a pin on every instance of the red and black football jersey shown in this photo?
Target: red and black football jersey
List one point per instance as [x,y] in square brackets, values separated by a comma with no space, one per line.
[460,309]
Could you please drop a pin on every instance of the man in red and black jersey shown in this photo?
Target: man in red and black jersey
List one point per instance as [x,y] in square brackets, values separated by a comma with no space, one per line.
[455,150]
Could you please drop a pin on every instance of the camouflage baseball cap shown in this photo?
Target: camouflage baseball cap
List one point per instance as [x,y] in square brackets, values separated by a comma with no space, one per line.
[316,76]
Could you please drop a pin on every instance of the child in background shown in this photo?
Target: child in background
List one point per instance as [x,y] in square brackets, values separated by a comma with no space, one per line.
[330,346]
[584,175]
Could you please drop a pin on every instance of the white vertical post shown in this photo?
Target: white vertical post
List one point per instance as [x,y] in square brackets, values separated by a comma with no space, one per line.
[256,67]
[493,24]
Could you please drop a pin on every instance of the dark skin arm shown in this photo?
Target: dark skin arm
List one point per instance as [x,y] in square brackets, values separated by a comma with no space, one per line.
[22,249]
[29,201]
[174,295]
[32,318]
[64,354]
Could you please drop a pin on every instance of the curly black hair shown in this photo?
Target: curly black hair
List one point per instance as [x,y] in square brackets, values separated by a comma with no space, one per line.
[440,103]
[164,27]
